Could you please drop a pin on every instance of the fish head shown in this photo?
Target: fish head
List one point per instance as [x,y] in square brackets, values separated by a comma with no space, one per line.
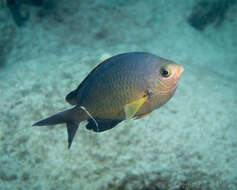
[165,81]
[169,76]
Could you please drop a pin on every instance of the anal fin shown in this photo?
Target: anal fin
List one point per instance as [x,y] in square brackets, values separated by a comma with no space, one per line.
[103,124]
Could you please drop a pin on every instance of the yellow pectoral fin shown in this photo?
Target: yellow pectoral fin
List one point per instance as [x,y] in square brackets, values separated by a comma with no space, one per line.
[132,108]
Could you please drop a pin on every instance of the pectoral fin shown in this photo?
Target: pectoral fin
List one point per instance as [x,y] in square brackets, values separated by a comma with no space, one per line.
[132,108]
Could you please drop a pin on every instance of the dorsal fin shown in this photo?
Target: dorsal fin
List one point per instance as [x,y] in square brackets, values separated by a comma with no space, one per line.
[71,98]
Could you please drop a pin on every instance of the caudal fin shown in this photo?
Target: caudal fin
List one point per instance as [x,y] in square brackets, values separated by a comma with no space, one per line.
[71,131]
[71,117]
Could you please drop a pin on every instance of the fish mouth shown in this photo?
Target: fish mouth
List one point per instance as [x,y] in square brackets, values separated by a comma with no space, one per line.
[179,72]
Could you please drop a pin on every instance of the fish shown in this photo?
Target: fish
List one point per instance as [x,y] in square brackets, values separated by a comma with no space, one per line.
[125,86]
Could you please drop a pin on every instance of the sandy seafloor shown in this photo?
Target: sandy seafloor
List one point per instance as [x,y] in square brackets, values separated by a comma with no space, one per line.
[190,143]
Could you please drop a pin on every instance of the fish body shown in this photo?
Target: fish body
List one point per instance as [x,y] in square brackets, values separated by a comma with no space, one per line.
[125,86]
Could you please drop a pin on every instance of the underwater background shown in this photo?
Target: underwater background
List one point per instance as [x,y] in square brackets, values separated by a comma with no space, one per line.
[47,47]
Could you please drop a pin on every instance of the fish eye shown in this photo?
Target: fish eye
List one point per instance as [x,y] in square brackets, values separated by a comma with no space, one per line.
[165,72]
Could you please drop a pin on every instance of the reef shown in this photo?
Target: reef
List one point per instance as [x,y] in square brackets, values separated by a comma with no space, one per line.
[208,12]
[15,9]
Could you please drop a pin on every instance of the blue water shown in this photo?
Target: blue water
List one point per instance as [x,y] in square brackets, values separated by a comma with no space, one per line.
[49,47]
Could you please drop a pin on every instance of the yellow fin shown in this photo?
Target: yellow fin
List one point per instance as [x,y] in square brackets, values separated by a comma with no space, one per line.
[132,108]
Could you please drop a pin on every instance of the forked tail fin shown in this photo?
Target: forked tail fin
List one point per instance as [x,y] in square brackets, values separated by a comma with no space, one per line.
[72,117]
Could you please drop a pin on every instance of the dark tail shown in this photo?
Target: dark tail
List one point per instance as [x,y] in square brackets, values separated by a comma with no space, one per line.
[72,117]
